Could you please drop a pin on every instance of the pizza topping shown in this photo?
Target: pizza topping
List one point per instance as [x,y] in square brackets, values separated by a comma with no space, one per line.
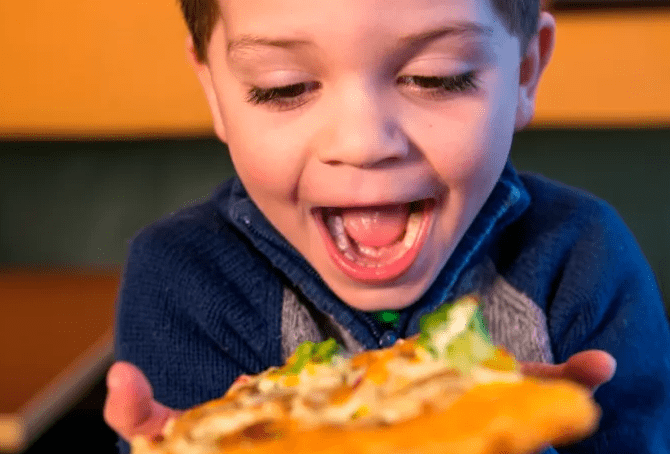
[215,423]
[341,394]
[263,430]
[320,386]
[439,328]
[501,361]
[457,334]
[363,410]
[310,353]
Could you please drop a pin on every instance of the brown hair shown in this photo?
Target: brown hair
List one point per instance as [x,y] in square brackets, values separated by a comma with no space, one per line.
[201,17]
[520,17]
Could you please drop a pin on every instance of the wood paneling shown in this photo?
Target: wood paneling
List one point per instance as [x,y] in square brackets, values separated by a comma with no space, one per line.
[55,341]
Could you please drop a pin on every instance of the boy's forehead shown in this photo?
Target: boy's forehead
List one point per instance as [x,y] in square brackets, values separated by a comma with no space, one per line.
[276,16]
[347,27]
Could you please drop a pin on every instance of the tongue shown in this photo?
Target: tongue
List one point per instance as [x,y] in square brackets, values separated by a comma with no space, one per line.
[376,226]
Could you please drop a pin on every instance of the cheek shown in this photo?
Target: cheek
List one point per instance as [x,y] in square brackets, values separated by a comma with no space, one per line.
[468,145]
[266,157]
[268,164]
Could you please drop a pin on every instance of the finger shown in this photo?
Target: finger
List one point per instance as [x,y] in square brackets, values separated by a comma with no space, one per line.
[591,368]
[242,379]
[542,370]
[130,408]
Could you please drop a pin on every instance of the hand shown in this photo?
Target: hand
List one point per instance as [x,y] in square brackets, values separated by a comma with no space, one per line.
[590,368]
[130,408]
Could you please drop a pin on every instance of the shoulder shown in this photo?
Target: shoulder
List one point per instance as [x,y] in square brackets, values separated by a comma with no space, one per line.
[573,255]
[567,225]
[190,226]
[559,208]
[198,251]
[571,243]
[581,230]
[193,272]
[196,238]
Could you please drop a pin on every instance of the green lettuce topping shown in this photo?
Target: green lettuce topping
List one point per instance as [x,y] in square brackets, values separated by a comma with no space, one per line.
[310,352]
[457,334]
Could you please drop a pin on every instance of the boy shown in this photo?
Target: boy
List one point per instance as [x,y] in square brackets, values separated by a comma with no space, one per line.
[371,142]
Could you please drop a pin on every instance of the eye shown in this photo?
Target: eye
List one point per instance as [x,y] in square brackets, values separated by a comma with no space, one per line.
[283,98]
[436,87]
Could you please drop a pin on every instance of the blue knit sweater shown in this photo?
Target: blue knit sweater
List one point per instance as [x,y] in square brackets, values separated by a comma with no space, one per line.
[214,291]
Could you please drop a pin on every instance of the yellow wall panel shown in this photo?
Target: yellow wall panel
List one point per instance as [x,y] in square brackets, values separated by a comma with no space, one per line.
[608,69]
[85,68]
[88,67]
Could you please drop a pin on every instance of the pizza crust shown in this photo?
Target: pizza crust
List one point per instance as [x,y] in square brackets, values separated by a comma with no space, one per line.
[495,418]
[489,419]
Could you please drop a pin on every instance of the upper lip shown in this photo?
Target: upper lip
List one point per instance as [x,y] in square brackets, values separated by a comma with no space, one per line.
[349,201]
[372,205]
[346,187]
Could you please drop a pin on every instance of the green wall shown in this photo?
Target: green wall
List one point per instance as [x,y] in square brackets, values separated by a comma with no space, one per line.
[79,203]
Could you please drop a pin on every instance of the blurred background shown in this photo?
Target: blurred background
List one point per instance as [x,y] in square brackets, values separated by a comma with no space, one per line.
[103,129]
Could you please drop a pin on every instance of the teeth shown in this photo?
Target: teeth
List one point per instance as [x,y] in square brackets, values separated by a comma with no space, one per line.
[336,227]
[370,251]
[337,224]
[412,231]
[367,265]
[342,243]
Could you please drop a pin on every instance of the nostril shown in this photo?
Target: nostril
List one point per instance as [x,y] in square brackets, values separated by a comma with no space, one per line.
[380,164]
[367,152]
[387,162]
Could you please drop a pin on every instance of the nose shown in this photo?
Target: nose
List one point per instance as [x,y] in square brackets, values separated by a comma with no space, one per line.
[363,131]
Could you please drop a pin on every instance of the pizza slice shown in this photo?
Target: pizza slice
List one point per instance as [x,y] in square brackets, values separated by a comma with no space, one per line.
[446,390]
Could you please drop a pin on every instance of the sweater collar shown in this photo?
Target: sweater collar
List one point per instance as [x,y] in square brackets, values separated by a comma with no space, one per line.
[507,201]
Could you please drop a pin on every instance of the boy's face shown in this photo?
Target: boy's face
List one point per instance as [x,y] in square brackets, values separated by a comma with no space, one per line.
[369,132]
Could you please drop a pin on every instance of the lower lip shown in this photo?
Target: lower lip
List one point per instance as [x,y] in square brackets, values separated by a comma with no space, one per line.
[390,270]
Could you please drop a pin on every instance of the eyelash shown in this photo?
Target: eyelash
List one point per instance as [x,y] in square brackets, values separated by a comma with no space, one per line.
[433,87]
[283,98]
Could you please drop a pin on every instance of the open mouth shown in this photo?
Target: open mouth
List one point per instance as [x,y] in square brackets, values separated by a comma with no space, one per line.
[375,243]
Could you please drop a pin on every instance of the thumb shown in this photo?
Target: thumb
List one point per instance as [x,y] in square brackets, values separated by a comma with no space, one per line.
[589,368]
[130,408]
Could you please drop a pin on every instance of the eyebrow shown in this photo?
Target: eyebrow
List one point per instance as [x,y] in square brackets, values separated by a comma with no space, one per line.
[250,41]
[247,42]
[457,29]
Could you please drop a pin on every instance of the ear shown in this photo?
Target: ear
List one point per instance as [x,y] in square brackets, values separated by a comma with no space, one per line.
[202,70]
[535,60]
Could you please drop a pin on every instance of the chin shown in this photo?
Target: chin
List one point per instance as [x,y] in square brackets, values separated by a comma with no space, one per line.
[397,295]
